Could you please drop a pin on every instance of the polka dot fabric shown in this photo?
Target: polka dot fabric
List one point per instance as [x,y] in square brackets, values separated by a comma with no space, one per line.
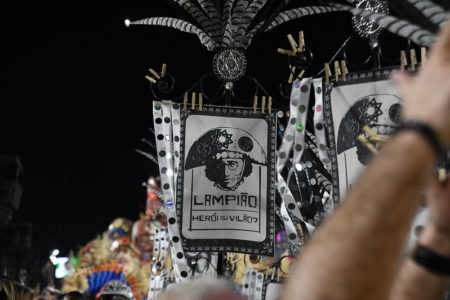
[166,164]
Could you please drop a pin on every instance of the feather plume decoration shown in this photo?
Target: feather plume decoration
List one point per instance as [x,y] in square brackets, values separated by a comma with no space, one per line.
[226,14]
[312,143]
[252,10]
[228,40]
[323,181]
[409,12]
[286,16]
[198,15]
[209,8]
[227,26]
[266,15]
[215,20]
[299,12]
[148,155]
[445,4]
[180,25]
[433,12]
[156,192]
[238,22]
[233,27]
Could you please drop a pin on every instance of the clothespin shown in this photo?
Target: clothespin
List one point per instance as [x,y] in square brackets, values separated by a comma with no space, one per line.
[293,43]
[255,104]
[299,230]
[327,73]
[193,101]
[300,76]
[344,70]
[296,48]
[150,79]
[423,56]
[263,104]
[269,105]
[375,137]
[163,70]
[413,57]
[200,102]
[403,60]
[155,73]
[185,100]
[337,71]
[363,140]
[442,174]
[301,42]
[286,52]
[291,76]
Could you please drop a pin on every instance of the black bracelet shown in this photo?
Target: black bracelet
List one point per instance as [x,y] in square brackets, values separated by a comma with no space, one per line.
[431,261]
[426,131]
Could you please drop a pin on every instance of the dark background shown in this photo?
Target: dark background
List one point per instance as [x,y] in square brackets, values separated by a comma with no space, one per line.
[74,103]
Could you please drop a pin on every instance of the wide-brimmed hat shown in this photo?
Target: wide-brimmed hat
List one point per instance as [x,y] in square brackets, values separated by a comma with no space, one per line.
[223,143]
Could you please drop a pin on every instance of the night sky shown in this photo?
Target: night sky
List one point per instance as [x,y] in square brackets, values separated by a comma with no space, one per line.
[74,103]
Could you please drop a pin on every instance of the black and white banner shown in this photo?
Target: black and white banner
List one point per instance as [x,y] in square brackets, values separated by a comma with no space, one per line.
[226,180]
[366,99]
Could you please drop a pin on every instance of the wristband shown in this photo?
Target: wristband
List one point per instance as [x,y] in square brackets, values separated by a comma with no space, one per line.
[425,131]
[431,261]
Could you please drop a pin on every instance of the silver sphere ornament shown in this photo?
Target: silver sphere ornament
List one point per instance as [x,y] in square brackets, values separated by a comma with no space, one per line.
[229,65]
[365,27]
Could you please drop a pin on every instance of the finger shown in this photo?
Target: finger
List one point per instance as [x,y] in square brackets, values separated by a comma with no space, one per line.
[437,187]
[446,184]
[402,79]
[441,50]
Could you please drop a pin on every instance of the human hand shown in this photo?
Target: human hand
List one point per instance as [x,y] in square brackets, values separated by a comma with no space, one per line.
[436,234]
[427,95]
[438,198]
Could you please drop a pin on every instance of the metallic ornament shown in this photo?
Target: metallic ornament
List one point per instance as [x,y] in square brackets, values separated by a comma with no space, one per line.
[254,259]
[364,27]
[229,64]
[229,85]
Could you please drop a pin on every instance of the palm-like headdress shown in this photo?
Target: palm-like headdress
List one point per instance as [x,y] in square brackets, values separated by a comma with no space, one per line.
[236,23]
[232,23]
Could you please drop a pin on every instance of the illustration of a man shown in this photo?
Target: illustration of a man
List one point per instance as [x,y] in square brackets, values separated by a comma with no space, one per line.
[380,112]
[227,154]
